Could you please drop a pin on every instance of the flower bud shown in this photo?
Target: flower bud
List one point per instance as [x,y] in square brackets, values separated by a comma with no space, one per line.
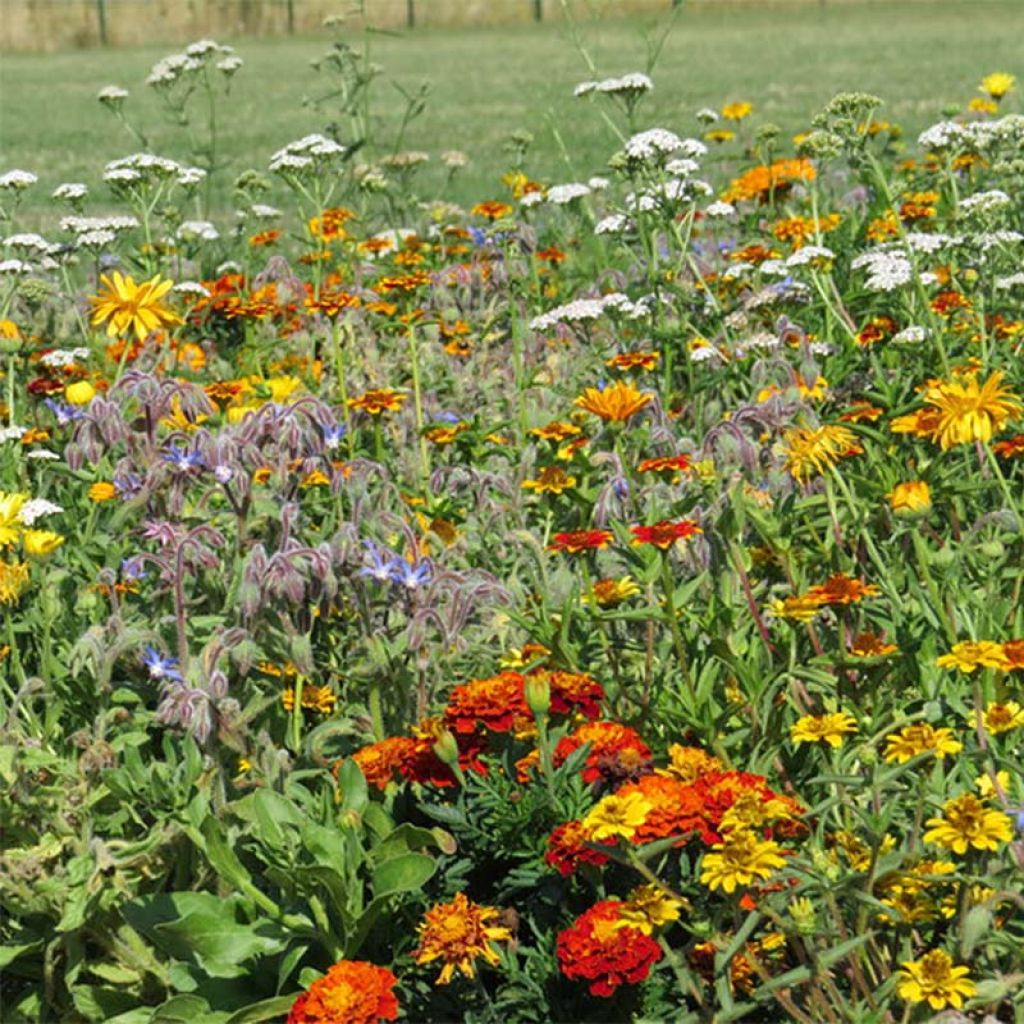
[538,694]
[446,749]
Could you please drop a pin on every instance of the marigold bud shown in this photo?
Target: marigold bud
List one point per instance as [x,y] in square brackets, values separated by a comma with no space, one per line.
[446,749]
[538,694]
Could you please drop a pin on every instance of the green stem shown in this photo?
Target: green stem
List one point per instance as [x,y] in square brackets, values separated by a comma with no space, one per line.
[418,401]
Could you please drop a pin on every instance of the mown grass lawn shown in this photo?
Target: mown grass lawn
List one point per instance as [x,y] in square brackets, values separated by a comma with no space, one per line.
[920,57]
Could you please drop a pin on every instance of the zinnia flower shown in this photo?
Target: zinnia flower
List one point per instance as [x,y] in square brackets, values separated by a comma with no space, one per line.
[550,480]
[971,654]
[920,738]
[378,401]
[740,859]
[351,992]
[934,979]
[1003,717]
[602,949]
[840,589]
[126,306]
[457,933]
[665,533]
[966,822]
[830,729]
[616,403]
[581,540]
[611,592]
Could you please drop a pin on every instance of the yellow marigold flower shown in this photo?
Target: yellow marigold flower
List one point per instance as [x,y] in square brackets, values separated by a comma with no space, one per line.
[966,822]
[740,859]
[737,111]
[998,84]
[830,729]
[967,411]
[910,498]
[810,452]
[616,816]
[39,543]
[611,592]
[1003,717]
[971,654]
[550,480]
[457,933]
[10,517]
[689,763]
[920,738]
[81,392]
[648,907]
[987,789]
[13,581]
[616,403]
[126,306]
[102,490]
[934,979]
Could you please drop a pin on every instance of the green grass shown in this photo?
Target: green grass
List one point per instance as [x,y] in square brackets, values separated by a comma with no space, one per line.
[788,61]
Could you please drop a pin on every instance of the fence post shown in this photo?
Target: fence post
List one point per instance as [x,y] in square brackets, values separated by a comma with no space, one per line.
[538,11]
[101,14]
[410,13]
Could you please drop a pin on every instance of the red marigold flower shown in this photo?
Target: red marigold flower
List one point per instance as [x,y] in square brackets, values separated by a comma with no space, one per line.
[351,992]
[496,702]
[599,948]
[665,533]
[424,766]
[567,849]
[573,692]
[676,809]
[616,751]
[581,540]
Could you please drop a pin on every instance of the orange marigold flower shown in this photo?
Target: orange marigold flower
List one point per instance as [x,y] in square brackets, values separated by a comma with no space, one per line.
[351,992]
[617,752]
[573,692]
[458,933]
[568,848]
[576,541]
[102,490]
[496,703]
[598,949]
[665,533]
[552,254]
[378,400]
[762,182]
[330,304]
[330,225]
[616,403]
[380,762]
[1014,652]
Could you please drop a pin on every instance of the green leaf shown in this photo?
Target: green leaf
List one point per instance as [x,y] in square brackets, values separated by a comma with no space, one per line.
[352,786]
[267,1009]
[406,873]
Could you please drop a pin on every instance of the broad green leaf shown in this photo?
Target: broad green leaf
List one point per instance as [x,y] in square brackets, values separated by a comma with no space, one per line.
[268,1009]
[406,873]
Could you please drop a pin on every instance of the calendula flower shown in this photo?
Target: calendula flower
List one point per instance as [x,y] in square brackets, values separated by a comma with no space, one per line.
[126,306]
[458,933]
[81,392]
[920,738]
[1003,717]
[934,979]
[647,908]
[379,400]
[10,517]
[351,992]
[550,480]
[40,543]
[740,860]
[966,411]
[830,728]
[967,823]
[910,498]
[971,654]
[616,816]
[102,490]
[998,84]
[581,540]
[616,403]
[811,451]
[665,533]
[14,579]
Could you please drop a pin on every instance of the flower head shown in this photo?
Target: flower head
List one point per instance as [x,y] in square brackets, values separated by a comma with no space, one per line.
[352,991]
[830,729]
[457,933]
[920,738]
[1003,717]
[910,498]
[616,815]
[966,822]
[740,860]
[998,84]
[550,480]
[616,403]
[126,306]
[378,401]
[971,654]
[934,979]
[665,533]
[967,411]
[810,451]
[581,540]
[14,579]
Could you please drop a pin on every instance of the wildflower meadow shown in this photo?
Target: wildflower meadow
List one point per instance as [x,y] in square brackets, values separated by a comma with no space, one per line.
[597,601]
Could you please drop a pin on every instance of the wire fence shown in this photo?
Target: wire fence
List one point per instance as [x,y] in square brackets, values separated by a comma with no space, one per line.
[51,25]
